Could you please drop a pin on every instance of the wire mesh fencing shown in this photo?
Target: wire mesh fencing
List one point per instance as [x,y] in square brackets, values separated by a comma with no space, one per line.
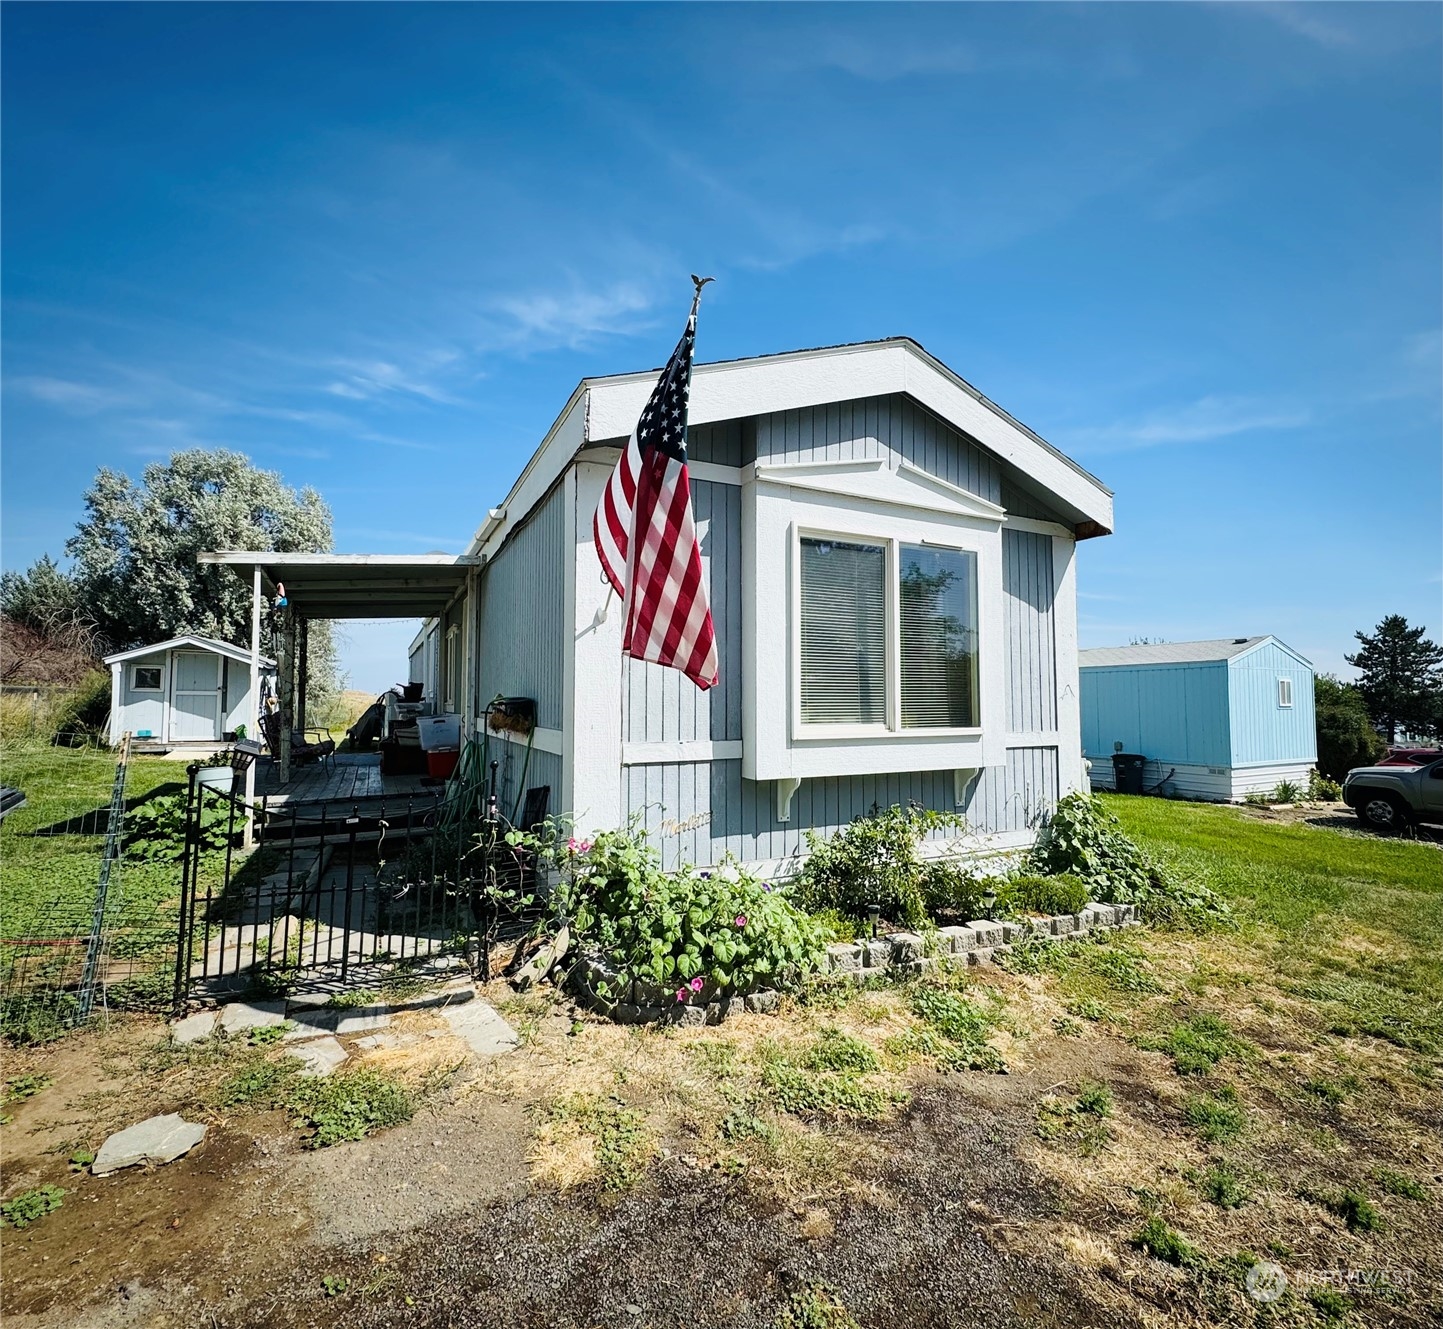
[83,928]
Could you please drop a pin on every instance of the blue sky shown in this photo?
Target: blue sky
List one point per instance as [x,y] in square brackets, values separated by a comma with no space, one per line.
[1197,247]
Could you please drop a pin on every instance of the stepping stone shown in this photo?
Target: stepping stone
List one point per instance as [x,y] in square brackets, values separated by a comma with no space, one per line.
[194,1027]
[156,1140]
[375,1042]
[238,1016]
[313,1022]
[481,1028]
[363,1019]
[319,1056]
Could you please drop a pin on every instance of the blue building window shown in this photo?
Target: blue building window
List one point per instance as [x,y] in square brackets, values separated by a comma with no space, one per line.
[1285,692]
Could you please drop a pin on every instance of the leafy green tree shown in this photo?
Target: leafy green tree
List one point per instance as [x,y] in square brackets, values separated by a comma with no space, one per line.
[1401,677]
[136,551]
[41,597]
[1346,737]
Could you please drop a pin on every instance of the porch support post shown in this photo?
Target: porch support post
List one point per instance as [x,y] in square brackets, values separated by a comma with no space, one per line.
[285,681]
[303,670]
[253,715]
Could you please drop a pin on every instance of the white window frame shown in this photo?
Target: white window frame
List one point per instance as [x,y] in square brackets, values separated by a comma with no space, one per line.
[892,649]
[135,672]
[1285,692]
[867,502]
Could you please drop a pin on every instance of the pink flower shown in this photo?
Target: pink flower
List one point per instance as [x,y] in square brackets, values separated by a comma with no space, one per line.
[696,984]
[571,845]
[586,846]
[741,920]
[681,994]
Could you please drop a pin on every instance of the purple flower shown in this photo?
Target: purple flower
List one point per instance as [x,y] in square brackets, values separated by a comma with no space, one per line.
[767,886]
[681,994]
[741,920]
[696,984]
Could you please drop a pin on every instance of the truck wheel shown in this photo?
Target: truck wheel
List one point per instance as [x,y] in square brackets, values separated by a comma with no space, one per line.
[1382,812]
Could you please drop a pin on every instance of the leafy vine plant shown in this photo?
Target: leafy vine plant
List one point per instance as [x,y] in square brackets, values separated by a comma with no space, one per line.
[691,934]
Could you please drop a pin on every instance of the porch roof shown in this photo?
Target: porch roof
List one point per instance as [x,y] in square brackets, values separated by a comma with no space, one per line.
[356,585]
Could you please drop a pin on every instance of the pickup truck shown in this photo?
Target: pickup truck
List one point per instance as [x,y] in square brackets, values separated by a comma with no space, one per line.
[1388,798]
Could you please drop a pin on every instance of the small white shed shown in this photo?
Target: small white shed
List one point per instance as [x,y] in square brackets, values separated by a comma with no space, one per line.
[188,691]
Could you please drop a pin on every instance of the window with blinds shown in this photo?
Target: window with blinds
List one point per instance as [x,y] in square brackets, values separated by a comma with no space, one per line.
[938,616]
[843,632]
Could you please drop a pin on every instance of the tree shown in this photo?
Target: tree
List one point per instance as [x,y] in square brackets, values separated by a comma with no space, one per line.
[1401,677]
[136,551]
[46,636]
[1346,737]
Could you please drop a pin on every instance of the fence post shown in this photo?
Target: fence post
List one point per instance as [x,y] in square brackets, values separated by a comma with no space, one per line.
[187,906]
[108,855]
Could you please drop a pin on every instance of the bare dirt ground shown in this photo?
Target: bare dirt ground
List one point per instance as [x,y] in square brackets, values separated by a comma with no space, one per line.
[489,1206]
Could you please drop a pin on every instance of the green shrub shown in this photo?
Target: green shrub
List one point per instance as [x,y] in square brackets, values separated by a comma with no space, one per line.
[875,860]
[689,928]
[350,1106]
[1155,1238]
[1287,791]
[950,891]
[84,716]
[31,1206]
[1062,894]
[1086,841]
[155,831]
[1321,789]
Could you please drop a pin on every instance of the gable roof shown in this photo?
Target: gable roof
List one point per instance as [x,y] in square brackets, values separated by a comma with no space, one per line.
[605,409]
[197,643]
[1176,652]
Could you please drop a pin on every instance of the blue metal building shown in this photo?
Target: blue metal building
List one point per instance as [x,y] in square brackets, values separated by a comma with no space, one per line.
[1216,720]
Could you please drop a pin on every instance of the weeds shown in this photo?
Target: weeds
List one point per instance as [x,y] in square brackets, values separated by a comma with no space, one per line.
[31,1206]
[346,1001]
[835,1050]
[258,1084]
[828,1093]
[349,1106]
[1398,1183]
[1218,1119]
[1080,1120]
[623,1144]
[815,1307]
[1225,1186]
[1356,1211]
[334,1285]
[1331,1092]
[1155,1238]
[1198,1044]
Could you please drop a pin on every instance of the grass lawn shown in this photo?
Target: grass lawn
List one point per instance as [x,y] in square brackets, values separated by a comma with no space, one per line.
[1176,1106]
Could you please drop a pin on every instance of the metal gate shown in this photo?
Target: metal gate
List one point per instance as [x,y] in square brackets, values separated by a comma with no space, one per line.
[336,895]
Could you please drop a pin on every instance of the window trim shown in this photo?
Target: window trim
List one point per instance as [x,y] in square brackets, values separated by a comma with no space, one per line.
[135,672]
[1285,689]
[891,726]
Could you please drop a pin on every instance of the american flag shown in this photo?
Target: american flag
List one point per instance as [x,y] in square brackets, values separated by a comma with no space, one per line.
[646,535]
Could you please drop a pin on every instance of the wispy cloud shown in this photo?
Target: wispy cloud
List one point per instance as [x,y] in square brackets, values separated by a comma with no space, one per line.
[889,57]
[573,315]
[1203,421]
[367,379]
[1308,20]
[69,395]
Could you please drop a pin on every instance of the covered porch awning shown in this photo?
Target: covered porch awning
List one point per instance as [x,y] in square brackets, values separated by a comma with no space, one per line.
[356,585]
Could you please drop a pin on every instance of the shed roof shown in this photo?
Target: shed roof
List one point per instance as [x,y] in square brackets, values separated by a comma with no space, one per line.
[1169,652]
[192,642]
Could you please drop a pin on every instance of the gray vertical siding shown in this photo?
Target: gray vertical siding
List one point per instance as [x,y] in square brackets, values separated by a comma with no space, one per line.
[521,633]
[698,812]
[876,427]
[1031,649]
[661,706]
[517,772]
[1020,503]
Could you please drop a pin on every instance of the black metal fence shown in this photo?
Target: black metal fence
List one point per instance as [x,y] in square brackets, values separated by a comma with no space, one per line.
[334,893]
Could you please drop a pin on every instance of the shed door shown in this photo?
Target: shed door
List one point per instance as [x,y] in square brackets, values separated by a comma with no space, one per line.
[195,709]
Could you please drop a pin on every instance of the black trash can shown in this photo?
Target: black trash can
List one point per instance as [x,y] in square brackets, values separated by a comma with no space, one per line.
[1127,770]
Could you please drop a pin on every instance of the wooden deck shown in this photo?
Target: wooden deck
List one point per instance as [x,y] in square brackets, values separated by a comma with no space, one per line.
[351,777]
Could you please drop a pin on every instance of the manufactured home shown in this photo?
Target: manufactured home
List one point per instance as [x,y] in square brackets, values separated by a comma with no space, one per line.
[1212,720]
[891,563]
[185,694]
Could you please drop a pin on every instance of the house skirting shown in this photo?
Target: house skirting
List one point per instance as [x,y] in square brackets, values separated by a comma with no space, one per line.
[1207,784]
